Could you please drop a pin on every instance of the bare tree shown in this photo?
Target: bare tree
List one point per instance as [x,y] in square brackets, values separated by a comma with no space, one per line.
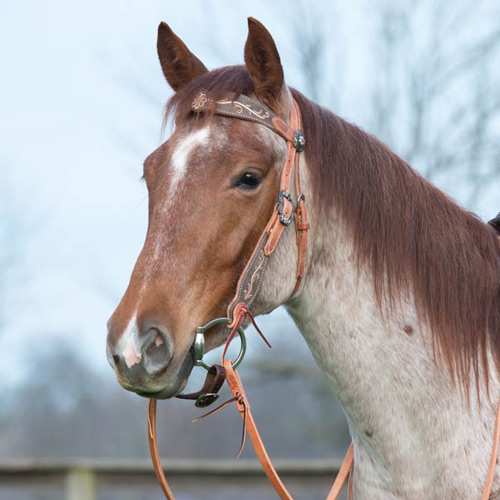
[432,86]
[435,97]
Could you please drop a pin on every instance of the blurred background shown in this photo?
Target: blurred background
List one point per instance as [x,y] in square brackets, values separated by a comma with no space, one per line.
[81,101]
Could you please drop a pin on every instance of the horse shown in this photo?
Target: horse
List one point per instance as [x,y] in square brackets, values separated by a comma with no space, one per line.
[400,296]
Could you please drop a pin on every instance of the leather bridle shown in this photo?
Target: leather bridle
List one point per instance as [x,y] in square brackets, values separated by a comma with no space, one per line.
[285,212]
[247,289]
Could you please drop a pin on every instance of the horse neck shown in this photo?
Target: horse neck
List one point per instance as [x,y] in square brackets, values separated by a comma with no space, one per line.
[405,416]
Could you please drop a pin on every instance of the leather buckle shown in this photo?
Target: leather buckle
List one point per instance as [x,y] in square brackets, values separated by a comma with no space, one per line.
[284,219]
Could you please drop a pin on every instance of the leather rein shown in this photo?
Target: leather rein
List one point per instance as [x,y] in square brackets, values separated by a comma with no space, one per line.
[284,213]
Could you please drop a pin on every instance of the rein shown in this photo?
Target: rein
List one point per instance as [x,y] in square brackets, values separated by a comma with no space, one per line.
[228,368]
[247,289]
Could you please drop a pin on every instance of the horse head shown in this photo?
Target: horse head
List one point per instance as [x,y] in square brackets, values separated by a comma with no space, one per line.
[212,188]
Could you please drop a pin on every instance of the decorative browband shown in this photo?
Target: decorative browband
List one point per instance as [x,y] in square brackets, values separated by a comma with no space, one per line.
[245,108]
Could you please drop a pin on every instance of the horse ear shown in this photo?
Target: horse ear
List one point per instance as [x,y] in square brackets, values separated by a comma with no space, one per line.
[264,65]
[179,64]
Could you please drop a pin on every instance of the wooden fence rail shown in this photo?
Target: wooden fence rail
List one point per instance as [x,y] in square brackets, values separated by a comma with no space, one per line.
[97,479]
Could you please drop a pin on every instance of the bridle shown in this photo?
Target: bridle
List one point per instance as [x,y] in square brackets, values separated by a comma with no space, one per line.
[247,289]
[284,214]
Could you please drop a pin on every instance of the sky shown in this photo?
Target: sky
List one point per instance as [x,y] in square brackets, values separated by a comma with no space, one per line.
[81,104]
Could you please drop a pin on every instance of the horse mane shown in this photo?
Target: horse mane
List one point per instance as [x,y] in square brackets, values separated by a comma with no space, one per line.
[413,237]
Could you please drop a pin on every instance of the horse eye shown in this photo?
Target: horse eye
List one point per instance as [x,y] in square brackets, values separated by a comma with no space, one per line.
[248,180]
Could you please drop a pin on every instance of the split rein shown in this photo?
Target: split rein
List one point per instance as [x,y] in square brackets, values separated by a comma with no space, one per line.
[217,374]
[284,213]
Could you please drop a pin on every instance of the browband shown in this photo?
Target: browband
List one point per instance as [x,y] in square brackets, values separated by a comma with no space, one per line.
[246,108]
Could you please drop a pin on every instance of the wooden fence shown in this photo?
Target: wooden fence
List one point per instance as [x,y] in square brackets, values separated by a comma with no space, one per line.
[108,480]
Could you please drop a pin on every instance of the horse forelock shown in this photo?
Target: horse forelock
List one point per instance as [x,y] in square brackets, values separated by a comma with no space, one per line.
[217,84]
[412,237]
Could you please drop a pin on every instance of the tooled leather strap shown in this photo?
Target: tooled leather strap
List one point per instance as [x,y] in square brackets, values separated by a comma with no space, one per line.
[283,215]
[244,108]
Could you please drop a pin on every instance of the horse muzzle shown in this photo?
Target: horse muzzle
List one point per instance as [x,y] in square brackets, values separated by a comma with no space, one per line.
[144,363]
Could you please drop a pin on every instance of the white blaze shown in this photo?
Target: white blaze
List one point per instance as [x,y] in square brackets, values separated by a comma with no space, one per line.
[181,154]
[178,168]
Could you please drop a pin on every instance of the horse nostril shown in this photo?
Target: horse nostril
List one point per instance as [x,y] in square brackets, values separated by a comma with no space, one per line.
[156,350]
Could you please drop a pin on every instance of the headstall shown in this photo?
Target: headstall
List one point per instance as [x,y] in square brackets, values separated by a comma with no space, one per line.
[285,212]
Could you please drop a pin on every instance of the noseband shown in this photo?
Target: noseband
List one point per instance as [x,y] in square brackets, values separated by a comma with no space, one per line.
[285,212]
